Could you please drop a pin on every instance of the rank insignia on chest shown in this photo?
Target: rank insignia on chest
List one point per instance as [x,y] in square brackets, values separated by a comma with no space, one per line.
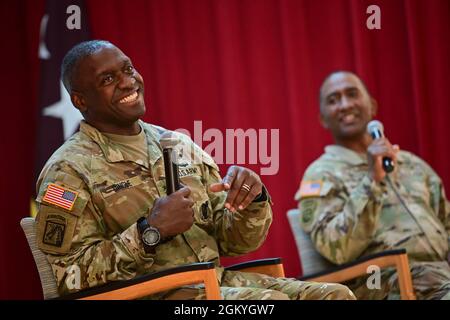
[204,210]
[60,197]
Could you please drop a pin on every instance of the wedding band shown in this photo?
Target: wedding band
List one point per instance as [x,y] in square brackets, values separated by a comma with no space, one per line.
[246,187]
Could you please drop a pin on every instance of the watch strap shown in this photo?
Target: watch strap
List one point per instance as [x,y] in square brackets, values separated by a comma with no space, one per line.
[262,196]
[142,225]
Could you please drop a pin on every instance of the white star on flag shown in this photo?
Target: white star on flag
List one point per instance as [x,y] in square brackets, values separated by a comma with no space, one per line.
[64,110]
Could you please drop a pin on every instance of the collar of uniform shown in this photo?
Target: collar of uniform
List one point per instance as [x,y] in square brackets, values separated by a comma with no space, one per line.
[352,157]
[111,154]
[154,148]
[115,155]
[346,155]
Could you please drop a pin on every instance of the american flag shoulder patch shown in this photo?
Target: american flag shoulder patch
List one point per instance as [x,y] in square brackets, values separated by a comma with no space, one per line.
[310,188]
[59,196]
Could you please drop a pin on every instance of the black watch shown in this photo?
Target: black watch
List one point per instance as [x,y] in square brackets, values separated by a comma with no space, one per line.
[262,196]
[150,235]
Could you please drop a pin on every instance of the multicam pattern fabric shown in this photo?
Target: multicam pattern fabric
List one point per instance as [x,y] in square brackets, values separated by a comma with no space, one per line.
[97,240]
[353,216]
[237,285]
[99,235]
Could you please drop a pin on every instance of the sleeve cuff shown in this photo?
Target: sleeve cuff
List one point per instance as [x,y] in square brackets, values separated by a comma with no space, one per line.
[263,196]
[131,239]
[258,208]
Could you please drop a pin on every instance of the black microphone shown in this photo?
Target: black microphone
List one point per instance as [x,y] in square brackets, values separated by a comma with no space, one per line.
[170,162]
[376,130]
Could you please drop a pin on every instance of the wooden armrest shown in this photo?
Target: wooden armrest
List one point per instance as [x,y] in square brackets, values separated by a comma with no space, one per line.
[397,258]
[148,284]
[271,266]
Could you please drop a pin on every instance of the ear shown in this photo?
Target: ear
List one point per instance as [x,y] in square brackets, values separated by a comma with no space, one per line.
[78,101]
[374,105]
[323,121]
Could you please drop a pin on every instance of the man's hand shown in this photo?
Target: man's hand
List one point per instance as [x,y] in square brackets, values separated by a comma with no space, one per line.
[378,149]
[173,214]
[243,186]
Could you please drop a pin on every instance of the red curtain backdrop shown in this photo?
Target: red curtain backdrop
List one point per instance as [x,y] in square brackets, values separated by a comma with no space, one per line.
[238,64]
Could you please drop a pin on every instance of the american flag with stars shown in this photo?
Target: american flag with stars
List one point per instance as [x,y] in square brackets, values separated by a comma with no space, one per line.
[310,188]
[60,196]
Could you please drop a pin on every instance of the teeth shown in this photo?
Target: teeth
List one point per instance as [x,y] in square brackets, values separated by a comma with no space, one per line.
[130,98]
[349,117]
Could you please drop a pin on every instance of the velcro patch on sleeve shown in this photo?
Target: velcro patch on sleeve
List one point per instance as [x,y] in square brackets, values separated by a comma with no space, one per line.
[55,230]
[60,196]
[310,188]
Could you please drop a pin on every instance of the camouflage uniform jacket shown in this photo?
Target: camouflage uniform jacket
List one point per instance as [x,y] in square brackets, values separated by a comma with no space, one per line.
[349,215]
[95,235]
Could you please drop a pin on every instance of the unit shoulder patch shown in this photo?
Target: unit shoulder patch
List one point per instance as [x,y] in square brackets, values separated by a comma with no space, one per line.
[55,230]
[307,209]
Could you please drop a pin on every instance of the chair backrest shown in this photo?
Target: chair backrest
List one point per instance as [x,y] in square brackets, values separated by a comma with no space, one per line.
[48,281]
[311,260]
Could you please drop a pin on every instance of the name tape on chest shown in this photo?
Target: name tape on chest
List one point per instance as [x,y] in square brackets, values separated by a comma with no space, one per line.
[121,185]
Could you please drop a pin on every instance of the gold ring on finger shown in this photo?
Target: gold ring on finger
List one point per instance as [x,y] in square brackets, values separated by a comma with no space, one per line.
[246,187]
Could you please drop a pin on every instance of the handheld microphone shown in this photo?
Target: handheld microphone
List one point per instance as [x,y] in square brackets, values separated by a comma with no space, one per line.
[376,130]
[170,162]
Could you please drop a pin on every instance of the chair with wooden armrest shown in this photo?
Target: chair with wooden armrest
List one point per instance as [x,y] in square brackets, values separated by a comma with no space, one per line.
[317,268]
[141,286]
[148,284]
[175,277]
[129,289]
[272,267]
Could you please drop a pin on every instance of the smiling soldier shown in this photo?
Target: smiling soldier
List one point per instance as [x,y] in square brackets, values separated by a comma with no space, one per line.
[350,209]
[103,207]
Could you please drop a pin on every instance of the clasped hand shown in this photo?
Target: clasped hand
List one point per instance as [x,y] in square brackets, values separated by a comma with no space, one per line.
[173,214]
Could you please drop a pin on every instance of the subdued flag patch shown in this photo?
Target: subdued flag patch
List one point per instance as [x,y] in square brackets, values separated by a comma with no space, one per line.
[60,196]
[310,188]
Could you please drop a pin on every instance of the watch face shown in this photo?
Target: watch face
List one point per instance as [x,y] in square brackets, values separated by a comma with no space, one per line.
[150,237]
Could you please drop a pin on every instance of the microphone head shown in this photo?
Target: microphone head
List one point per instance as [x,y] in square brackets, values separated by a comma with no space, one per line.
[374,126]
[168,140]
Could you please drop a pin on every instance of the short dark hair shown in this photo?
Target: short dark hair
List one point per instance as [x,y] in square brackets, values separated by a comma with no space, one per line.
[74,55]
[336,72]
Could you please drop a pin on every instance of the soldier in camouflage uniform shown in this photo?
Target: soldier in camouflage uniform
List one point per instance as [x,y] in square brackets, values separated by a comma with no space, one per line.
[350,208]
[110,174]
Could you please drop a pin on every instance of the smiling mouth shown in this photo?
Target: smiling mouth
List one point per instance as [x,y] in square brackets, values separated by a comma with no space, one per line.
[130,98]
[348,118]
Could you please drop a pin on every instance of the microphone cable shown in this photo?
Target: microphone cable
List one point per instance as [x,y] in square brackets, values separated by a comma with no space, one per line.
[400,198]
[402,201]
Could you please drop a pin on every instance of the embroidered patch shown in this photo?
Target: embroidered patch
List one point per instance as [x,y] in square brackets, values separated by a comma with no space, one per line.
[59,196]
[307,216]
[310,188]
[204,209]
[307,208]
[55,229]
[121,185]
[186,172]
